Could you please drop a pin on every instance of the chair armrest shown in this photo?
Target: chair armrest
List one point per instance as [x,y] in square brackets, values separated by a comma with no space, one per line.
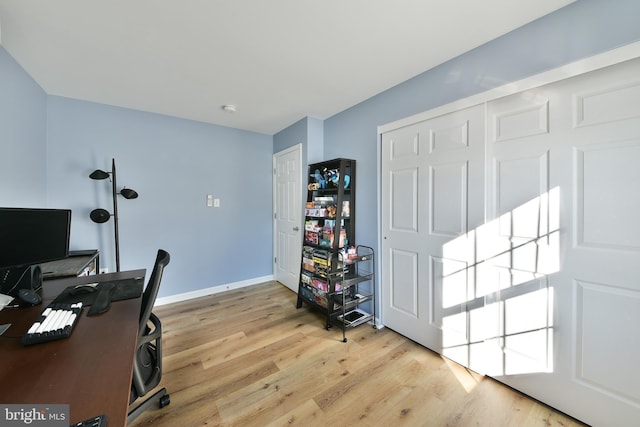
[143,387]
[153,334]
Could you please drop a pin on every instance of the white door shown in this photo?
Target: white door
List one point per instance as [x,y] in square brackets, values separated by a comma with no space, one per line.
[565,174]
[544,294]
[287,165]
[432,194]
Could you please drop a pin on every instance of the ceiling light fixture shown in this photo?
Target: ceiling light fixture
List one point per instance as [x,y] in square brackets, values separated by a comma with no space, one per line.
[229,108]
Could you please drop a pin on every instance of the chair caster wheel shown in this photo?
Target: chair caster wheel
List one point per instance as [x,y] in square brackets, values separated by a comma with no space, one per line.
[165,400]
[344,340]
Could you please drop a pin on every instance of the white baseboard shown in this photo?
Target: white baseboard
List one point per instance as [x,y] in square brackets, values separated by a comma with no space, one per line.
[212,290]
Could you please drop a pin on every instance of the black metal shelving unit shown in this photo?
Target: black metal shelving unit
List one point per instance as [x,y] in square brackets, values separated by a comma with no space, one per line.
[331,268]
[354,289]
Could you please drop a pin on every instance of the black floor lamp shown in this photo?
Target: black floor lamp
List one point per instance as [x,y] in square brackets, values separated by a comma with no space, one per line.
[102,215]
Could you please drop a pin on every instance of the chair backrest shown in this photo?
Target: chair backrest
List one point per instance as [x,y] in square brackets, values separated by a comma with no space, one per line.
[151,291]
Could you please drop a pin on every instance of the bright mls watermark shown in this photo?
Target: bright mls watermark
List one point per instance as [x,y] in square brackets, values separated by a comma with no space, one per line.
[34,415]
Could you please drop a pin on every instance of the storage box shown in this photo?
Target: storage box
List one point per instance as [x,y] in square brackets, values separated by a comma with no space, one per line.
[315,295]
[322,201]
[306,294]
[307,264]
[346,210]
[311,237]
[306,277]
[327,239]
[318,213]
[319,284]
[312,225]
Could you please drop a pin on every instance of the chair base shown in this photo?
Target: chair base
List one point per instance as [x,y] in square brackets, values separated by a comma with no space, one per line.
[159,398]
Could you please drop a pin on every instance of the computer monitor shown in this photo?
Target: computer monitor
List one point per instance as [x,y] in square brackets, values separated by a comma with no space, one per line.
[33,236]
[30,237]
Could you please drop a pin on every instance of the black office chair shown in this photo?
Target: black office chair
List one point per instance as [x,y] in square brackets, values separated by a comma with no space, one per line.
[147,368]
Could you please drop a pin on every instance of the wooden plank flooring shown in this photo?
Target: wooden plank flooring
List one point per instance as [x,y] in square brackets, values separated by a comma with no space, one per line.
[248,357]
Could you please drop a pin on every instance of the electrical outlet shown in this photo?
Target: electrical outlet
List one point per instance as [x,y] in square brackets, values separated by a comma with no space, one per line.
[216,203]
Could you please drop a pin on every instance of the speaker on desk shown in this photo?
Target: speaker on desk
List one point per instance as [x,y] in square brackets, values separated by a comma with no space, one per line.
[14,279]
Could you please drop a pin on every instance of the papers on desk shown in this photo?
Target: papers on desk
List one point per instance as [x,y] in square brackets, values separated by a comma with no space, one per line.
[4,327]
[4,300]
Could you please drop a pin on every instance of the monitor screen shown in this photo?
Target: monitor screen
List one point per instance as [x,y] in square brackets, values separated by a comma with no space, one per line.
[33,236]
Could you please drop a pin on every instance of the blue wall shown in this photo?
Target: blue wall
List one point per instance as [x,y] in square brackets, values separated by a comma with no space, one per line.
[580,30]
[23,137]
[309,132]
[49,145]
[292,135]
[173,164]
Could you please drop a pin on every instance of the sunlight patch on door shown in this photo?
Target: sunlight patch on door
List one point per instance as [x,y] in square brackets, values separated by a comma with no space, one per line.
[492,295]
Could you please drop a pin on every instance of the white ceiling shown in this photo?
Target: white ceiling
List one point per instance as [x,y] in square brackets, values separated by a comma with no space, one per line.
[276,60]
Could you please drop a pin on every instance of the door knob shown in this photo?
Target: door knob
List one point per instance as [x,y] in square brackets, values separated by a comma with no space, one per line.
[296,228]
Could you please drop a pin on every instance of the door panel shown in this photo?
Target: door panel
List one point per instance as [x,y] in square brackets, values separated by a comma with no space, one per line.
[448,201]
[599,169]
[597,342]
[404,200]
[403,295]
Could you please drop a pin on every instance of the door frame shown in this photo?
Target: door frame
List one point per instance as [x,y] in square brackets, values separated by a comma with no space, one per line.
[576,68]
[274,191]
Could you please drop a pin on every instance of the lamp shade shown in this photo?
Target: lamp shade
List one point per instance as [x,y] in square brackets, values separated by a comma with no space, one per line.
[100,215]
[128,193]
[99,174]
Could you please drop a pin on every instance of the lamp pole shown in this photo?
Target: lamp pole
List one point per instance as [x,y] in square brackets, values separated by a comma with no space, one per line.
[115,212]
[101,215]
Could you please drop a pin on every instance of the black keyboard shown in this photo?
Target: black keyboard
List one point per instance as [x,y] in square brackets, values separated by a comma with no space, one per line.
[56,322]
[99,421]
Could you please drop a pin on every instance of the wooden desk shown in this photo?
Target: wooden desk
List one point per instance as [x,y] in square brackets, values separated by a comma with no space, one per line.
[91,370]
[73,265]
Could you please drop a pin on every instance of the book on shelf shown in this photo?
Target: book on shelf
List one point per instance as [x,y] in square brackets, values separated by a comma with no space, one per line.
[353,316]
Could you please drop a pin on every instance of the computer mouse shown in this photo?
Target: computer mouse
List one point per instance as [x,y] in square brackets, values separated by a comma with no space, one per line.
[28,297]
[83,289]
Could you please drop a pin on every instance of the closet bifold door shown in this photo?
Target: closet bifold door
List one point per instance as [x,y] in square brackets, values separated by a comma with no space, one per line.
[432,201]
[511,240]
[563,193]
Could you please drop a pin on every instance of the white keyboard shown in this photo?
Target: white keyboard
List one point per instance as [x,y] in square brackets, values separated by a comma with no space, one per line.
[56,322]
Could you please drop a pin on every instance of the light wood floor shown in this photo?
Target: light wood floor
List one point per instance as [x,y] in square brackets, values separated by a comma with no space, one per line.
[248,357]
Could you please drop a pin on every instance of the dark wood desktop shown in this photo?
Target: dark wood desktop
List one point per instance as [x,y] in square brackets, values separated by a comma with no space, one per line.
[75,264]
[91,370]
